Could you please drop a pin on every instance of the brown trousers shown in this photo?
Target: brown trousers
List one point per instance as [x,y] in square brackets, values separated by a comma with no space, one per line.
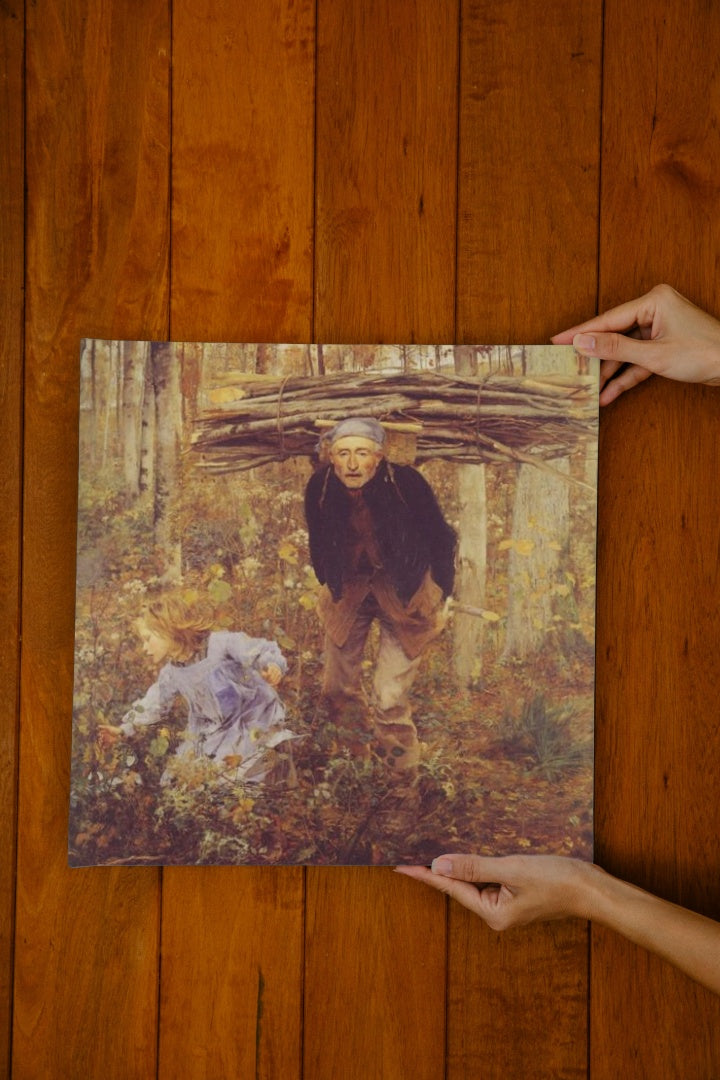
[390,711]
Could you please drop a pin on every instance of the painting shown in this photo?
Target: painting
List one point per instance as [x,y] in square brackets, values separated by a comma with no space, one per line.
[335,603]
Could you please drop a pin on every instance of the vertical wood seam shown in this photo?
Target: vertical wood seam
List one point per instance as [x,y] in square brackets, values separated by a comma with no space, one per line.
[171,81]
[168,325]
[456,303]
[598,293]
[601,113]
[15,785]
[458,129]
[303,970]
[313,338]
[313,261]
[158,1003]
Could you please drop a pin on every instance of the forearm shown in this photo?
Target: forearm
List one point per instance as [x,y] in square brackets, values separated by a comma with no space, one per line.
[689,941]
[142,713]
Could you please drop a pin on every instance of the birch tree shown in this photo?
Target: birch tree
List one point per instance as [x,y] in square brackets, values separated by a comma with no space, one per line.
[134,362]
[471,570]
[147,429]
[168,432]
[540,529]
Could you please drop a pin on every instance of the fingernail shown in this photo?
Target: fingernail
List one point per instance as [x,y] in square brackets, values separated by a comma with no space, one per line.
[584,341]
[441,866]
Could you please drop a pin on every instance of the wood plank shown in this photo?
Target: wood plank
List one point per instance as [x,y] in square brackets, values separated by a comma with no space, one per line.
[12,19]
[658,672]
[231,995]
[386,169]
[243,138]
[97,233]
[528,200]
[385,255]
[242,271]
[375,982]
[528,180]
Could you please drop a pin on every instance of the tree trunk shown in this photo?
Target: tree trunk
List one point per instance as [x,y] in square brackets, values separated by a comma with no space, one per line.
[540,532]
[168,431]
[471,554]
[147,430]
[471,572]
[101,397]
[134,361]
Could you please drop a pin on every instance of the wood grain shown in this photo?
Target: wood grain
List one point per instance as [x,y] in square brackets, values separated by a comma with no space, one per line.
[528,197]
[528,170]
[231,994]
[385,198]
[658,679]
[383,208]
[97,178]
[243,86]
[243,144]
[658,672]
[375,976]
[386,171]
[12,224]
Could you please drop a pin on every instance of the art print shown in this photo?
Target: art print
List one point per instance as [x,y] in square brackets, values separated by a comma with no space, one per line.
[335,603]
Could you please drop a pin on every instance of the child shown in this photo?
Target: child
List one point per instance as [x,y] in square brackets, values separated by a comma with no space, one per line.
[227,680]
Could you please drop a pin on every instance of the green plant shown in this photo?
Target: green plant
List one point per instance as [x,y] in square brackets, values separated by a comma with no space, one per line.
[546,732]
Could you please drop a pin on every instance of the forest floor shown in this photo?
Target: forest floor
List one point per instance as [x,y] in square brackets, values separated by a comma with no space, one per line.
[506,765]
[503,769]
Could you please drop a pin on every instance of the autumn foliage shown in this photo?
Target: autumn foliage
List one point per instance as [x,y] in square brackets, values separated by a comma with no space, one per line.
[507,756]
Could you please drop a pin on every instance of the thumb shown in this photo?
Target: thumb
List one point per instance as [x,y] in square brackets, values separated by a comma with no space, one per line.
[476,868]
[620,349]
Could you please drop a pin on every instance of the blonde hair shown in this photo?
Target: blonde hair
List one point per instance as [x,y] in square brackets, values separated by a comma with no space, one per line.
[183,623]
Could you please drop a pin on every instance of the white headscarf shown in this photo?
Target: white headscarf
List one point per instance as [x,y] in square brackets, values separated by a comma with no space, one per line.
[362,427]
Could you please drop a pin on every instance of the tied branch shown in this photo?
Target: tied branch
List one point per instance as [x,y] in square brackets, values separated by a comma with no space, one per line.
[464,419]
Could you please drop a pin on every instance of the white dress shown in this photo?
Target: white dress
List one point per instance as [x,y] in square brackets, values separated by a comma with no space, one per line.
[232,710]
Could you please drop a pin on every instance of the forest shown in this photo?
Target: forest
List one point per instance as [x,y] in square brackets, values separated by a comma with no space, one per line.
[193,463]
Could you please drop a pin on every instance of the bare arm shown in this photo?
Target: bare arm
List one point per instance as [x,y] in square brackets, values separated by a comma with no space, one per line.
[660,333]
[521,889]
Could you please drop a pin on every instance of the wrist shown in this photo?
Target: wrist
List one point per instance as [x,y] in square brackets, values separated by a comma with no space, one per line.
[593,891]
[613,902]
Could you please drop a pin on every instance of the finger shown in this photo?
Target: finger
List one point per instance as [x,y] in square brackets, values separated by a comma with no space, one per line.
[466,894]
[621,349]
[425,874]
[479,869]
[565,338]
[634,312]
[608,368]
[629,377]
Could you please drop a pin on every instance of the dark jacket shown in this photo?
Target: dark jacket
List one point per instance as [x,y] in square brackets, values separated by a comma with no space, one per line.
[411,532]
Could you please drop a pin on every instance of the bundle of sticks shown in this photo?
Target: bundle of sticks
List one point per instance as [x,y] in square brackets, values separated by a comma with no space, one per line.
[460,418]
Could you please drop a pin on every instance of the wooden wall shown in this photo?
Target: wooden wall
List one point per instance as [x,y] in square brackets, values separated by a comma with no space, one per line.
[352,170]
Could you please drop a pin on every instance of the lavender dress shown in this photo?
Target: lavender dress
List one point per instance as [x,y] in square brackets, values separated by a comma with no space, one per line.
[232,710]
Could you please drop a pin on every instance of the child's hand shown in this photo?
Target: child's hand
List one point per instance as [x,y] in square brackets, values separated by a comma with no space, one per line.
[107,735]
[272,674]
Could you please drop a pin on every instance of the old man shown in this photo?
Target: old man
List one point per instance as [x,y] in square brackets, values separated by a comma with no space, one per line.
[384,553]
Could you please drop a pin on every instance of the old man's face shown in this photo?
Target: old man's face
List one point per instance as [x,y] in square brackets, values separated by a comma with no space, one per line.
[355,460]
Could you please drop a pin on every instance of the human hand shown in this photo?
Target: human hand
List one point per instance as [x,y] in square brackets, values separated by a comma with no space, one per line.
[521,889]
[513,890]
[272,674]
[660,333]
